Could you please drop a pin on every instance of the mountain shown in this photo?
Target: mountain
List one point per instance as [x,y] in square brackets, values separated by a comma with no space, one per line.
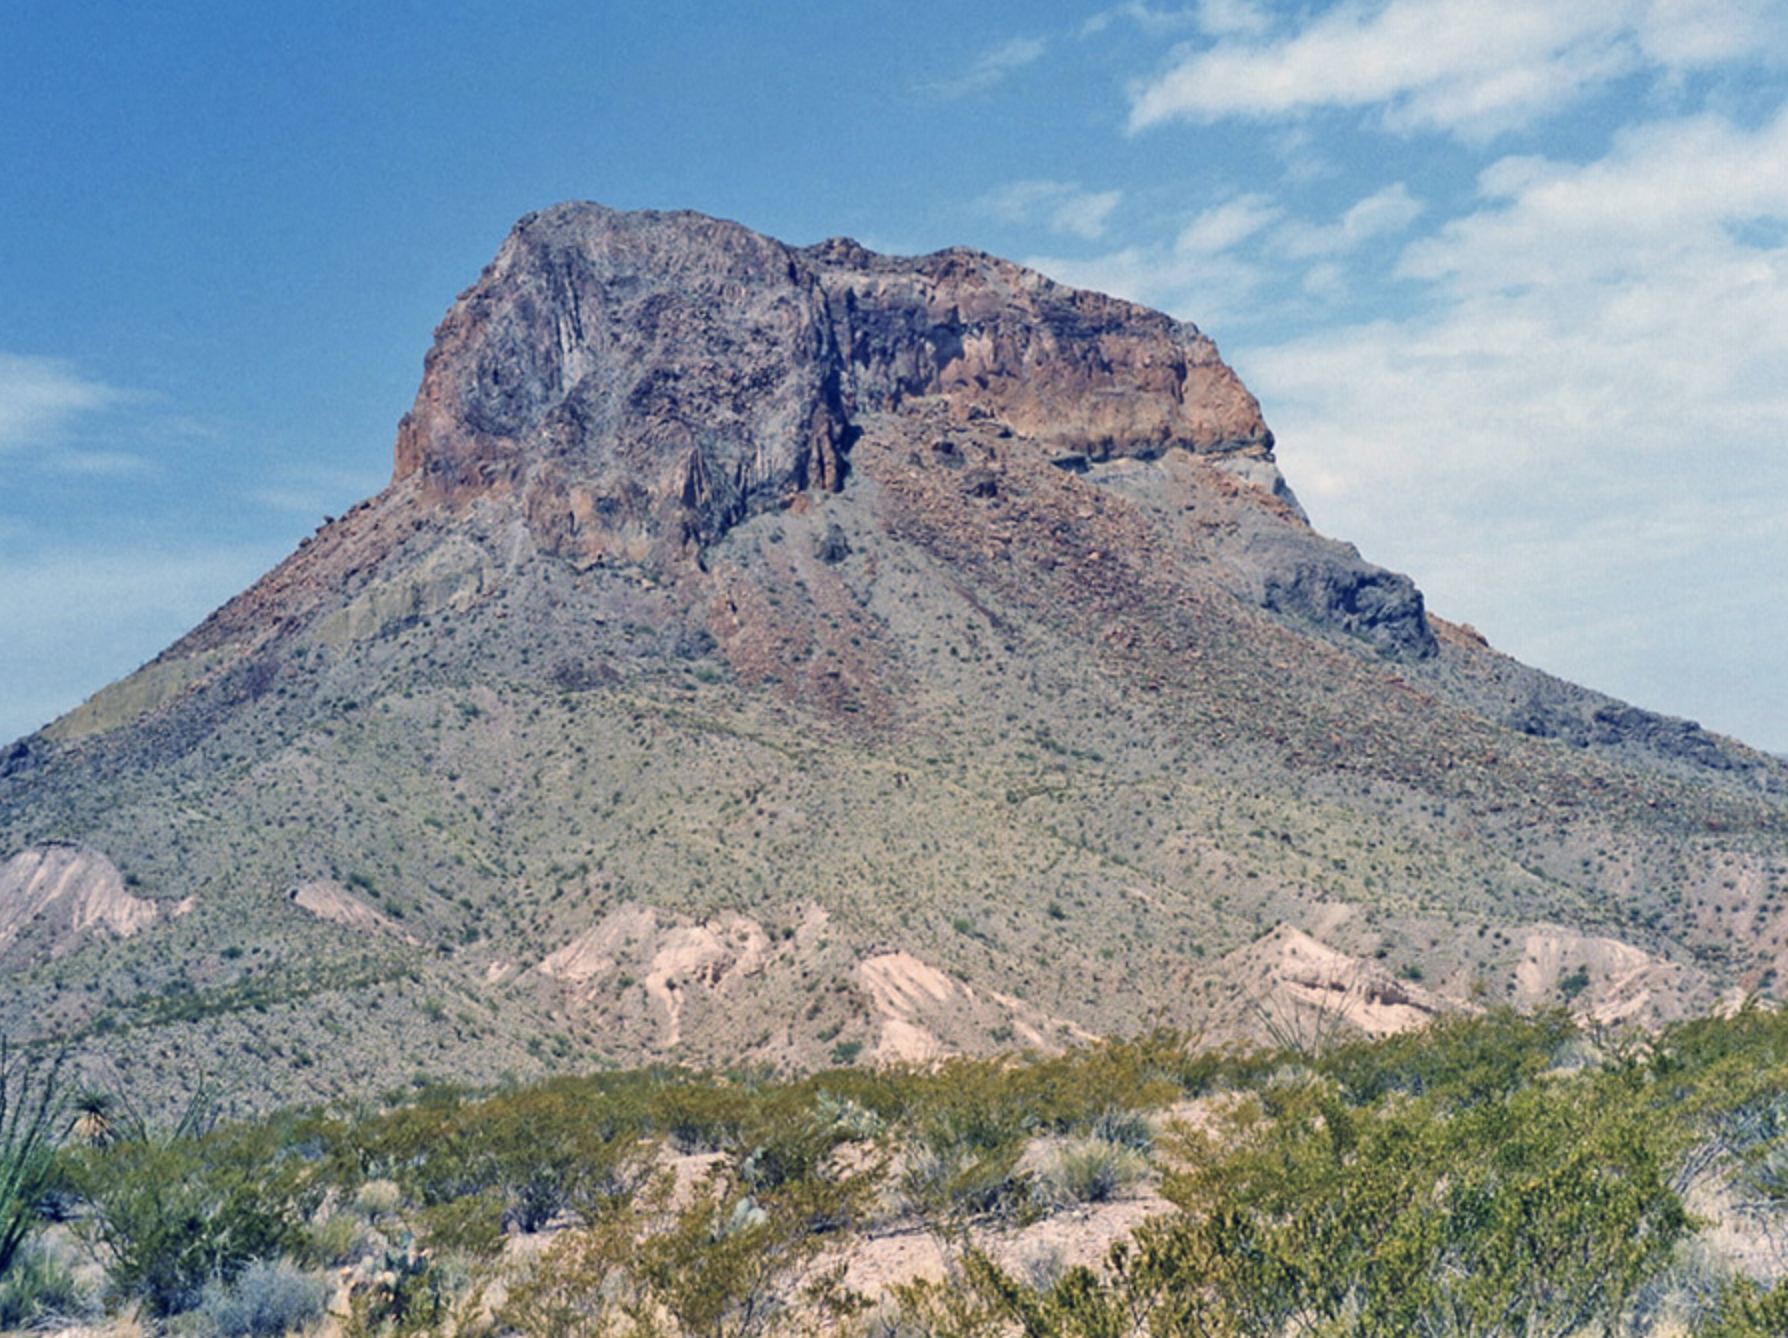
[779,655]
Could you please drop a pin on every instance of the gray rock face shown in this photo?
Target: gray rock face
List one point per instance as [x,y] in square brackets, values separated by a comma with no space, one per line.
[1585,719]
[641,381]
[644,381]
[1330,584]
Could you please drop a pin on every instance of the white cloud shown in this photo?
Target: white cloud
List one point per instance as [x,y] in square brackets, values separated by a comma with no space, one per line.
[1210,286]
[1694,34]
[1216,17]
[1586,424]
[98,464]
[991,69]
[1223,17]
[1471,67]
[41,399]
[1062,207]
[1226,225]
[1219,262]
[1667,192]
[1380,214]
[1085,215]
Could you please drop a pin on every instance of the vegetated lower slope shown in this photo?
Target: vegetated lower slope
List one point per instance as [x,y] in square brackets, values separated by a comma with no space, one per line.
[782,656]
[1497,1174]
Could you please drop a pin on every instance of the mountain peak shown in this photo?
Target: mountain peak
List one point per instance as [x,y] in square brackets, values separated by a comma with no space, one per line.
[765,653]
[641,382]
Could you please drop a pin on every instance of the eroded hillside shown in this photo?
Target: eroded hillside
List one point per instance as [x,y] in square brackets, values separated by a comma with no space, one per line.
[788,655]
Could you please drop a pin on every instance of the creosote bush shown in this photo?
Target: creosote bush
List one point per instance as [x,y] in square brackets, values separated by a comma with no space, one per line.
[1494,1176]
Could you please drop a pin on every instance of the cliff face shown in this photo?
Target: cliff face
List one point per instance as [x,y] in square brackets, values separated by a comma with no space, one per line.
[643,382]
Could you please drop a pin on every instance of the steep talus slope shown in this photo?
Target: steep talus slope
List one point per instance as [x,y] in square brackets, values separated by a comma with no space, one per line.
[780,654]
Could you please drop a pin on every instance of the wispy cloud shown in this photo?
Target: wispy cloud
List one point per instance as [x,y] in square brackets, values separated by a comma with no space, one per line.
[1381,214]
[1223,258]
[1060,206]
[991,70]
[1211,287]
[98,464]
[1668,193]
[41,399]
[1214,17]
[1469,67]
[1226,225]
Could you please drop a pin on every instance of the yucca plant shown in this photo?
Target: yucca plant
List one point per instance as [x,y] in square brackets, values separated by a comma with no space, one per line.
[31,1108]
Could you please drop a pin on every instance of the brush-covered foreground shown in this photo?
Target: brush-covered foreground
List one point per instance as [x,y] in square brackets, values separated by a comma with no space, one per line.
[1502,1174]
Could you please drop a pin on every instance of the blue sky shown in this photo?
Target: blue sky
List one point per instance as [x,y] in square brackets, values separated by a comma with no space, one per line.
[1510,277]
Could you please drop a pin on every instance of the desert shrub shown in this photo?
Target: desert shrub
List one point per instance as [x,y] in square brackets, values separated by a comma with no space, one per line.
[983,1299]
[728,1263]
[790,1137]
[267,1299]
[845,1117]
[1545,1210]
[1684,1296]
[1748,1310]
[701,1117]
[583,1285]
[942,1180]
[539,1153]
[1456,1060]
[333,1240]
[557,1152]
[470,1225]
[40,1290]
[1726,1082]
[1125,1129]
[722,1264]
[169,1217]
[1039,1265]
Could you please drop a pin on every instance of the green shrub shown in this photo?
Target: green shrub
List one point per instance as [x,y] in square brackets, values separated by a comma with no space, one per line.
[337,1239]
[944,1180]
[1457,1060]
[1747,1310]
[583,1285]
[538,1153]
[167,1218]
[1545,1210]
[1125,1129]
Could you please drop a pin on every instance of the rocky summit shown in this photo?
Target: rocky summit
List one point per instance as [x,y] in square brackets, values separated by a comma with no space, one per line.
[791,655]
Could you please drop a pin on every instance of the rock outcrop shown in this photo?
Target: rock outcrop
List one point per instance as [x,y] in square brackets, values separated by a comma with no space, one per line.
[56,895]
[643,382]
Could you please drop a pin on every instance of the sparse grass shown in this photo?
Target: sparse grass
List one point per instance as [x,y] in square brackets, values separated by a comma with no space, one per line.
[1091,1170]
